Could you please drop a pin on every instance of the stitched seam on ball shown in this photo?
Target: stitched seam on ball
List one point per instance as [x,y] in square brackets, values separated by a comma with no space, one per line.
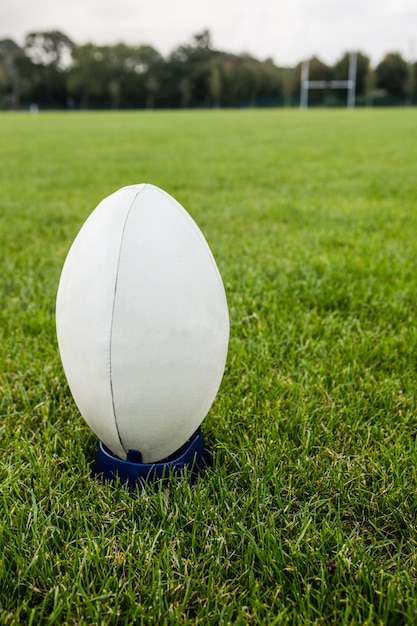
[112,313]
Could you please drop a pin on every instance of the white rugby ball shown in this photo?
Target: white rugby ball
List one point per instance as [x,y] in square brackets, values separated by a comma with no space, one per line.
[142,323]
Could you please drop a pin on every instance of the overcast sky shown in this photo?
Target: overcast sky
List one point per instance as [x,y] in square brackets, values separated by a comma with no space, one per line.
[286,30]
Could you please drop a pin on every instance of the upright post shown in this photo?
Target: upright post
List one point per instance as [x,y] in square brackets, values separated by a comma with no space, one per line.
[352,80]
[304,85]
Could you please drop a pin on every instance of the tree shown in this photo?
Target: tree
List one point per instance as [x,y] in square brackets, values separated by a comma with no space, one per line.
[391,74]
[115,93]
[118,75]
[272,80]
[11,62]
[289,82]
[215,82]
[152,86]
[185,89]
[137,69]
[193,61]
[341,70]
[198,50]
[410,83]
[52,48]
[251,79]
[317,71]
[370,86]
[133,70]
[50,53]
[87,78]
[202,41]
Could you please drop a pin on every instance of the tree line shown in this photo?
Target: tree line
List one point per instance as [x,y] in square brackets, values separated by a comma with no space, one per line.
[51,71]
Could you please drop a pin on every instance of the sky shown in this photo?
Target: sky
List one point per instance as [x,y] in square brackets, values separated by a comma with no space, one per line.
[288,31]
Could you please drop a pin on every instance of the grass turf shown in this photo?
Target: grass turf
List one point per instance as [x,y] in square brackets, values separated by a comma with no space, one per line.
[308,514]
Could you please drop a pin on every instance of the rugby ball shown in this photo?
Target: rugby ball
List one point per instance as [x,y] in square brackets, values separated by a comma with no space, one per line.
[142,323]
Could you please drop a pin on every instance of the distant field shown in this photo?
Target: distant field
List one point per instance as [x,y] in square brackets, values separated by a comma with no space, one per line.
[308,514]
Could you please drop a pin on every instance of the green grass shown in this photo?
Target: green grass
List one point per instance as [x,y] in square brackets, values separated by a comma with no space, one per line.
[308,513]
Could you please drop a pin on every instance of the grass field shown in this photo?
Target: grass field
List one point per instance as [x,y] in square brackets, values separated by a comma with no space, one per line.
[308,514]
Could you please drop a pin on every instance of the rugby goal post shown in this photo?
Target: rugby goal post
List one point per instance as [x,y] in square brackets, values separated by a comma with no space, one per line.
[349,84]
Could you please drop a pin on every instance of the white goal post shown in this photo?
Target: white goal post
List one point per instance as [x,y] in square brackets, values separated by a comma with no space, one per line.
[349,84]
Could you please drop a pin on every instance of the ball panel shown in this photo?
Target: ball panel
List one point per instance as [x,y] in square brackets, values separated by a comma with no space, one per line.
[170,327]
[84,312]
[142,323]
